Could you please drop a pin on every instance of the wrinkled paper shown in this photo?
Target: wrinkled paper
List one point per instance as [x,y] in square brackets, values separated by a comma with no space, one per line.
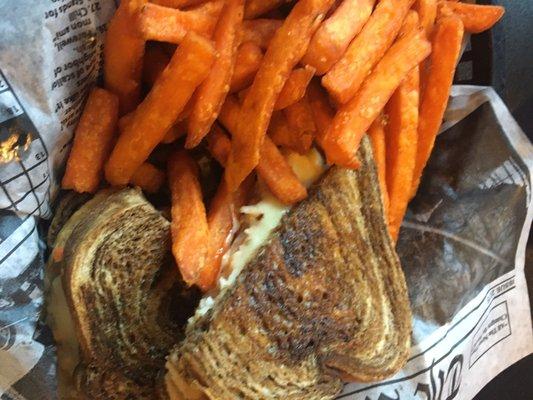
[462,243]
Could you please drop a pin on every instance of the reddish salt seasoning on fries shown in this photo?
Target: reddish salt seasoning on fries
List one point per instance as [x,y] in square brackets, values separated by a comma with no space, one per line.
[148,178]
[170,25]
[354,118]
[446,43]
[295,87]
[190,231]
[286,49]
[123,55]
[345,78]
[260,31]
[93,140]
[210,95]
[335,34]
[153,118]
[476,18]
[249,57]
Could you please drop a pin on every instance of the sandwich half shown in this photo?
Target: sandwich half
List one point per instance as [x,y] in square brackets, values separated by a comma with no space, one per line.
[322,302]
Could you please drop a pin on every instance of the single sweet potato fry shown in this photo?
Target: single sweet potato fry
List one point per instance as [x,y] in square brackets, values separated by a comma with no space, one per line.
[272,167]
[278,175]
[155,115]
[170,25]
[93,141]
[446,42]
[249,57]
[223,212]
[260,31]
[155,61]
[210,95]
[256,8]
[476,18]
[402,137]
[123,55]
[286,49]
[335,34]
[190,231]
[148,178]
[295,87]
[354,118]
[364,52]
[427,12]
[218,144]
[376,132]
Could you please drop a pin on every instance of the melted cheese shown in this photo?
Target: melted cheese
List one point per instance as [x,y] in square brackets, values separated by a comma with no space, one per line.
[268,214]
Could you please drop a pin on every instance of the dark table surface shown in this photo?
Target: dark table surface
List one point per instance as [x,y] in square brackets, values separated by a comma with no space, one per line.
[511,73]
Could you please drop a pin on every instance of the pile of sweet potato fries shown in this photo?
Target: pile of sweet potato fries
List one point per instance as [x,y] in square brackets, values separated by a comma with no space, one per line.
[252,80]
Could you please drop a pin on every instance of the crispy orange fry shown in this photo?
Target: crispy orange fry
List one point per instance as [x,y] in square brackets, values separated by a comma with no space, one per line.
[427,12]
[376,132]
[286,49]
[255,8]
[278,175]
[148,178]
[295,87]
[210,95]
[282,134]
[219,145]
[260,31]
[249,57]
[447,40]
[190,231]
[93,140]
[345,78]
[272,167]
[476,18]
[221,218]
[335,34]
[155,115]
[402,138]
[165,24]
[322,111]
[124,121]
[300,119]
[354,118]
[123,54]
[155,61]
[178,3]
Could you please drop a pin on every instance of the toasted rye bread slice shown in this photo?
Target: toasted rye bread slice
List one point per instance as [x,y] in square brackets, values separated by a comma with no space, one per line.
[121,286]
[323,301]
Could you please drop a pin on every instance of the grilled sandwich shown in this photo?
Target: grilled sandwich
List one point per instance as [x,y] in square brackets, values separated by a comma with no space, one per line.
[321,301]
